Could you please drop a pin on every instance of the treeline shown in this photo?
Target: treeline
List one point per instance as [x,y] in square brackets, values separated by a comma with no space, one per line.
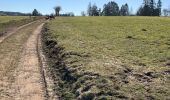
[7,13]
[148,8]
[109,9]
[57,10]
[166,12]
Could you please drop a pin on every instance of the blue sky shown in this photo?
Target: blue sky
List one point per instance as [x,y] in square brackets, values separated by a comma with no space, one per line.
[76,6]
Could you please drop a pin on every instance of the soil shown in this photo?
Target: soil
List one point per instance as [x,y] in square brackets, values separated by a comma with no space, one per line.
[28,83]
[7,34]
[28,80]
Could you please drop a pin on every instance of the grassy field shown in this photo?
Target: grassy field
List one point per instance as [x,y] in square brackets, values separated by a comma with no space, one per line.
[8,23]
[110,57]
[4,19]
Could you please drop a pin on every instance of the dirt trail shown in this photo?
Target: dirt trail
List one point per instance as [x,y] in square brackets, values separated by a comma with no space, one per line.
[25,79]
[28,83]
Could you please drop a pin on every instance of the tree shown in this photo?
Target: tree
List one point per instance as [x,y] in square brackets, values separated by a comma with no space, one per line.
[159,7]
[140,11]
[124,11]
[152,7]
[146,10]
[146,2]
[94,11]
[105,11]
[166,12]
[131,12]
[89,10]
[35,13]
[57,10]
[111,9]
[83,13]
[71,14]
[100,12]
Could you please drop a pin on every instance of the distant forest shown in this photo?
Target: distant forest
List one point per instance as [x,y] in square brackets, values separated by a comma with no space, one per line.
[7,13]
[147,8]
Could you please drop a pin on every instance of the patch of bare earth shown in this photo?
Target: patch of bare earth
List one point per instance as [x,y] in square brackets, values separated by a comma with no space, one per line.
[20,71]
[28,82]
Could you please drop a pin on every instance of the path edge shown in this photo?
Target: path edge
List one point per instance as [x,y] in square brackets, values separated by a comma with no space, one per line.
[46,78]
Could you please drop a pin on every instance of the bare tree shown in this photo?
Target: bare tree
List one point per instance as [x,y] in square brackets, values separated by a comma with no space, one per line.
[166,12]
[57,10]
[83,13]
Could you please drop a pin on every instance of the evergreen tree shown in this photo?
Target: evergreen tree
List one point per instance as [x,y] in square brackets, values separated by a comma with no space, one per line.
[127,9]
[111,9]
[140,11]
[89,9]
[149,8]
[146,10]
[105,11]
[152,7]
[146,2]
[94,11]
[35,12]
[124,11]
[159,7]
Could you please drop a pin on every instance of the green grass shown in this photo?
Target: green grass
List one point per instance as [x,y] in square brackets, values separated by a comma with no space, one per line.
[115,45]
[8,23]
[4,19]
[108,37]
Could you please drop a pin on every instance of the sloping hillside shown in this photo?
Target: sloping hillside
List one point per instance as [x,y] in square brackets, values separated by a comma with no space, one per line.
[109,57]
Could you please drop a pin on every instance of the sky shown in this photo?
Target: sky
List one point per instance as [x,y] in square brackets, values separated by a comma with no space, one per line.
[75,6]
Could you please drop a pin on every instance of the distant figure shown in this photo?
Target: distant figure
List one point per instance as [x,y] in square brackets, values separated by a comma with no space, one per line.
[50,17]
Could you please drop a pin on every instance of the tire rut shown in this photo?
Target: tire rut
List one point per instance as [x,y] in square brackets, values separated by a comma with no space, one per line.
[28,83]
[46,75]
[2,38]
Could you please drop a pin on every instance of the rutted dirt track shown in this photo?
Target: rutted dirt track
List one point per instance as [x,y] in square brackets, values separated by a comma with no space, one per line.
[26,80]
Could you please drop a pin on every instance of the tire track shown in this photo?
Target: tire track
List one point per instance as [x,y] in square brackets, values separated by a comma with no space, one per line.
[48,81]
[28,83]
[2,38]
